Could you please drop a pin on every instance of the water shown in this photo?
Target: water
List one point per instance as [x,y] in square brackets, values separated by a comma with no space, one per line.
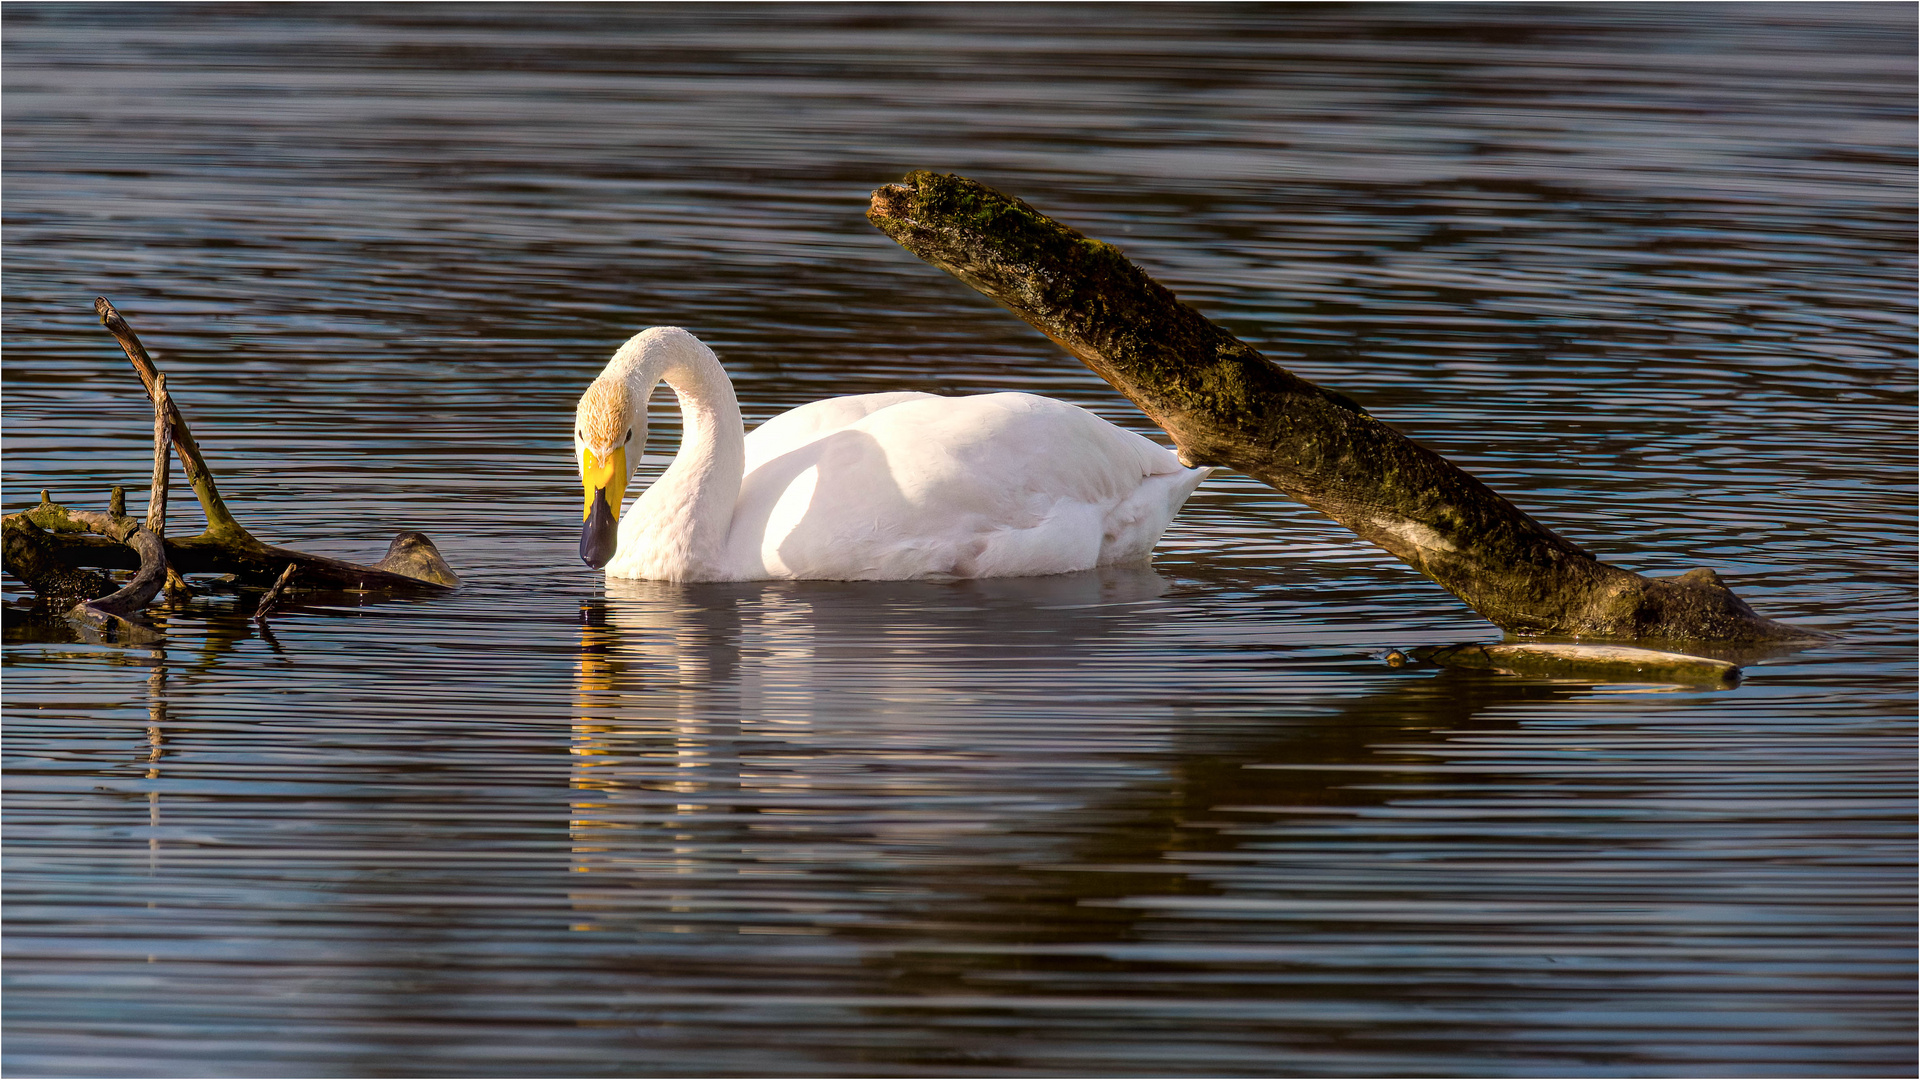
[1647,271]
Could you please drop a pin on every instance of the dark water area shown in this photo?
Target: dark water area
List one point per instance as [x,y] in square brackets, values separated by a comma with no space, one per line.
[1648,271]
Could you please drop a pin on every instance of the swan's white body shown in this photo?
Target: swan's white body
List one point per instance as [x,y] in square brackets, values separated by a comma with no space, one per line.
[880,486]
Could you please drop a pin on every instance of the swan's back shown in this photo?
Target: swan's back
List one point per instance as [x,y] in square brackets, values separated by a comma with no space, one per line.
[894,486]
[801,425]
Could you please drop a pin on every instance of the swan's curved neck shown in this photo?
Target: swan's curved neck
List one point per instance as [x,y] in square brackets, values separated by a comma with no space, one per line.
[682,518]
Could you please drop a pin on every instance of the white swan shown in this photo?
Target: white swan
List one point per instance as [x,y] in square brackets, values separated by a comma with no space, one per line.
[877,487]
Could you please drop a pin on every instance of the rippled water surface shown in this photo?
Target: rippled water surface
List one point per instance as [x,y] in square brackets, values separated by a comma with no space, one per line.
[1648,271]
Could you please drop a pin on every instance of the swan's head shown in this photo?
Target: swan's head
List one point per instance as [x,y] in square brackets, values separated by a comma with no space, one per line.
[608,434]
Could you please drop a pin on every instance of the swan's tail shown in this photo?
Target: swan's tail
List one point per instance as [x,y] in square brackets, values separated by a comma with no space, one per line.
[1135,525]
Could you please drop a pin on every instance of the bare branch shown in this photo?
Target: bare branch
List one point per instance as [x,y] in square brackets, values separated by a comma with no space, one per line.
[220,522]
[162,442]
[272,599]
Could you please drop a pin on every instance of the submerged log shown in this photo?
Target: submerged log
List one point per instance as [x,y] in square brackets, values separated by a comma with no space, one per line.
[412,555]
[1224,404]
[49,547]
[1588,663]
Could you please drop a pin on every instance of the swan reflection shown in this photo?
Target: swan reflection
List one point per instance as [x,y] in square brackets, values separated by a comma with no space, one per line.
[717,726]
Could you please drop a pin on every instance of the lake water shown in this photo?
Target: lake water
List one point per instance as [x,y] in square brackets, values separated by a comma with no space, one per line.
[1648,271]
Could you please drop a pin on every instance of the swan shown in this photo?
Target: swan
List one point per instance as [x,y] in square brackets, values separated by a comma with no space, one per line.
[874,487]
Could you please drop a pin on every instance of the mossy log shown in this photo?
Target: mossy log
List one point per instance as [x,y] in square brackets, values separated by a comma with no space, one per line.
[1224,404]
[55,566]
[49,547]
[99,604]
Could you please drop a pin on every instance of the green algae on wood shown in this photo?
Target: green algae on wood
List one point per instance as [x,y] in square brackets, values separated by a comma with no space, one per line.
[1225,404]
[33,553]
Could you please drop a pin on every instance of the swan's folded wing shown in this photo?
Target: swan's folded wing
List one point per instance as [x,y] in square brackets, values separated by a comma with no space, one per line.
[1003,450]
[799,426]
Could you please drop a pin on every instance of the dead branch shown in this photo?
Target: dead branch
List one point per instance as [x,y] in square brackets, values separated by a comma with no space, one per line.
[157,493]
[135,595]
[162,440]
[210,555]
[49,547]
[272,599]
[220,522]
[1225,404]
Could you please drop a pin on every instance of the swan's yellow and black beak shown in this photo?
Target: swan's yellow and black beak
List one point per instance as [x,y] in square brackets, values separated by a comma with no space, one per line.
[605,482]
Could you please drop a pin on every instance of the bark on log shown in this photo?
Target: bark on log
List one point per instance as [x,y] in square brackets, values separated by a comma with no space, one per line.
[1225,404]
[162,442]
[157,492]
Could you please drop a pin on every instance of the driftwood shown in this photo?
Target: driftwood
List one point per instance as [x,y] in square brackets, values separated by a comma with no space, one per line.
[1226,405]
[135,595]
[50,547]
